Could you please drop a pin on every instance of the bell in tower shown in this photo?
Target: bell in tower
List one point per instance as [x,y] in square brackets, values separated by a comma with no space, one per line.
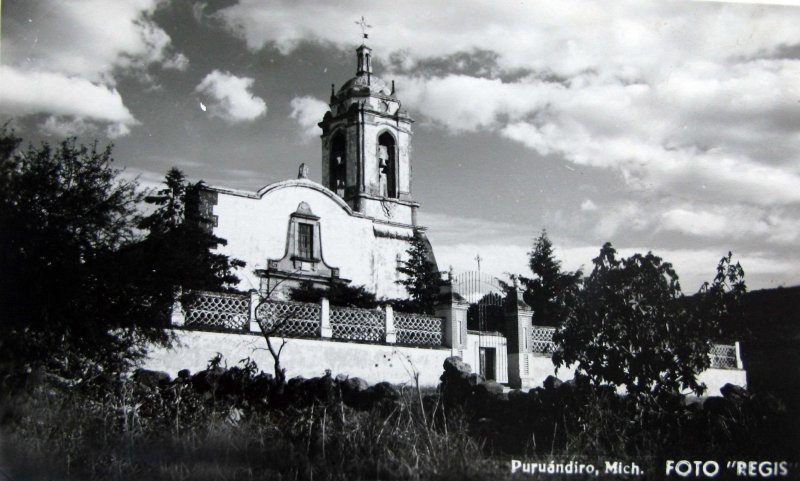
[366,146]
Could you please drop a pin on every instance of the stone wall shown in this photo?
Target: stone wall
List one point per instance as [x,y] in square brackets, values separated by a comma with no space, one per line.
[302,357]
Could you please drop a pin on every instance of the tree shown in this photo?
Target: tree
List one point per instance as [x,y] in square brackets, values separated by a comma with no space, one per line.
[550,287]
[65,213]
[179,250]
[629,326]
[338,294]
[422,280]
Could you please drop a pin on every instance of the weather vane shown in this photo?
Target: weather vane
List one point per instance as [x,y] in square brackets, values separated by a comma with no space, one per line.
[363,24]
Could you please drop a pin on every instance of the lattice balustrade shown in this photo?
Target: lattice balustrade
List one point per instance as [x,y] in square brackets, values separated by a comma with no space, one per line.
[290,319]
[358,324]
[217,310]
[418,329]
[723,357]
[542,340]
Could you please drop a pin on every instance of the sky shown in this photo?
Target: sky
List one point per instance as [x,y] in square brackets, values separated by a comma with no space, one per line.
[671,127]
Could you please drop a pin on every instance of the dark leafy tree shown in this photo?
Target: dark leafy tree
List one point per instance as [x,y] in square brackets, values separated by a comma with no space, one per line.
[65,213]
[487,314]
[338,294]
[421,278]
[179,250]
[550,287]
[630,327]
[722,300]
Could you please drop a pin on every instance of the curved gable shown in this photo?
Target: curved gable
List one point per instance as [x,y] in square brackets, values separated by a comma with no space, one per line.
[291,183]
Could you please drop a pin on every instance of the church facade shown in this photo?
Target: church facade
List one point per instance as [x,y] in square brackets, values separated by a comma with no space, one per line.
[355,226]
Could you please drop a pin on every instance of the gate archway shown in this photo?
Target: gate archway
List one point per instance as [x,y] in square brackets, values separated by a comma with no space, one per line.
[485,294]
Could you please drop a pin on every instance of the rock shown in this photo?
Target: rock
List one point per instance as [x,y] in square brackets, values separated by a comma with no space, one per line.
[733,392]
[475,379]
[517,396]
[149,378]
[385,391]
[354,385]
[355,392]
[326,390]
[716,405]
[489,388]
[207,380]
[454,365]
[552,382]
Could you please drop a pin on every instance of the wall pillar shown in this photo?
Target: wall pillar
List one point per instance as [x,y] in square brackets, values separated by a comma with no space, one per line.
[519,322]
[739,363]
[391,333]
[325,329]
[177,317]
[255,300]
[453,309]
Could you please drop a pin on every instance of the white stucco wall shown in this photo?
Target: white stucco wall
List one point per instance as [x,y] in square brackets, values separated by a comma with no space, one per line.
[256,227]
[303,357]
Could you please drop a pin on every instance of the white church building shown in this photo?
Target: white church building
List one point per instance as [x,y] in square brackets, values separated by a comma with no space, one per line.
[355,227]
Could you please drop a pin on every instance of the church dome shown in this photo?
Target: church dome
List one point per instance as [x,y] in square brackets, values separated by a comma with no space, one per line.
[365,84]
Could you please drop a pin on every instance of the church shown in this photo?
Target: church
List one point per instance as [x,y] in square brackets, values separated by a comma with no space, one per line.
[356,227]
[353,227]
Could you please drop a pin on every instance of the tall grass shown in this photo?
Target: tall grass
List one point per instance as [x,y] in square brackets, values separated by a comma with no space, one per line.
[124,430]
[131,432]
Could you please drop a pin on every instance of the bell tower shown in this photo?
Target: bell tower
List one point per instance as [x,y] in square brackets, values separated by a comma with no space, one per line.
[366,146]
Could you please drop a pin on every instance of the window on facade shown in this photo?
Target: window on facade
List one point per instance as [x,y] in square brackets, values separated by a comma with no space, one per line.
[305,241]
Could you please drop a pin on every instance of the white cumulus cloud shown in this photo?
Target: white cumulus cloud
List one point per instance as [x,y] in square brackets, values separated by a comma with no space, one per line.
[230,97]
[68,58]
[308,112]
[77,102]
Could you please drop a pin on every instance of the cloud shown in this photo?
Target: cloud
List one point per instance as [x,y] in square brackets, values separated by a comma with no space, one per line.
[308,111]
[588,206]
[732,222]
[93,39]
[229,97]
[561,38]
[66,60]
[693,108]
[74,102]
[63,127]
[178,61]
[694,266]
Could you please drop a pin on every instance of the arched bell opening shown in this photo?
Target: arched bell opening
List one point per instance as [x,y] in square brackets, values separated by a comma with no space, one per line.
[387,158]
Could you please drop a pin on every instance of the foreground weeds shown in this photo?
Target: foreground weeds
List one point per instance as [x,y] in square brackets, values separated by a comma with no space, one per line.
[174,433]
[239,424]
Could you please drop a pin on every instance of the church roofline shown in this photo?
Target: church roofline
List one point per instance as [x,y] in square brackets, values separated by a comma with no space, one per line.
[283,184]
[310,184]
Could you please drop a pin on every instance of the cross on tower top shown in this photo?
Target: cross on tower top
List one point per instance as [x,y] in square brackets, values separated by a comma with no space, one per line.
[363,24]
